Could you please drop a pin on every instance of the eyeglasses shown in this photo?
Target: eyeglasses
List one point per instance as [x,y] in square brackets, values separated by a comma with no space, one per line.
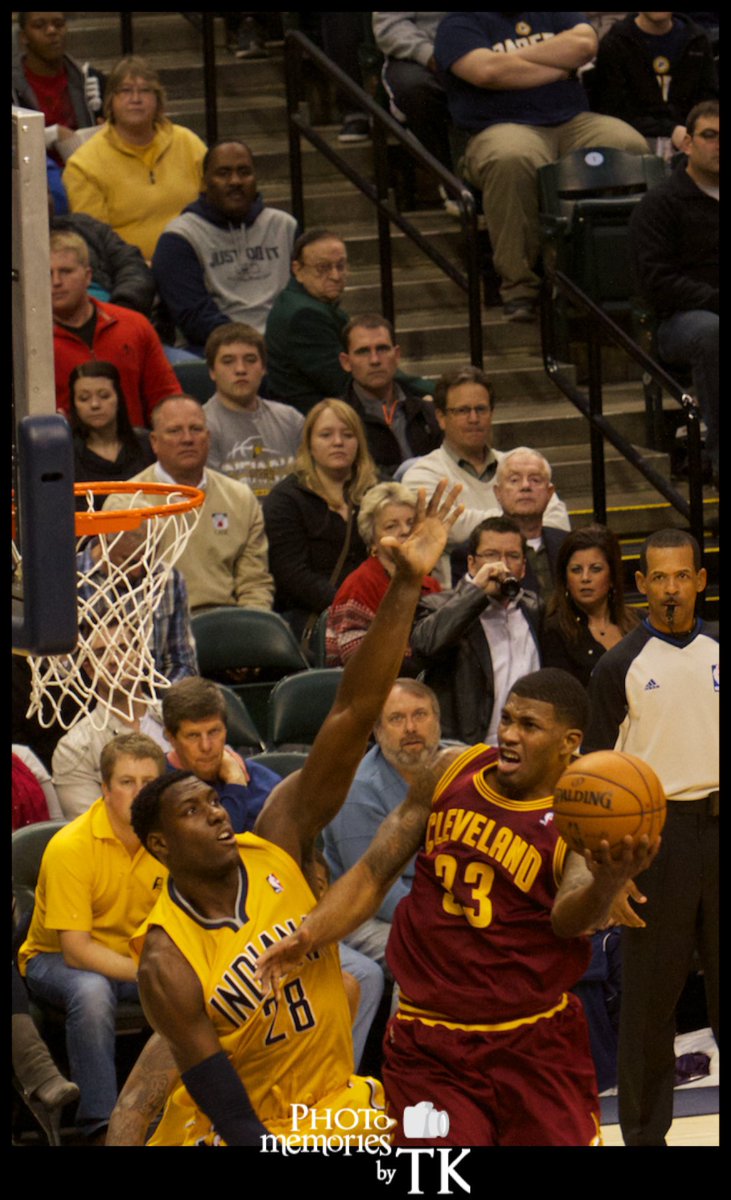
[323,269]
[708,135]
[480,410]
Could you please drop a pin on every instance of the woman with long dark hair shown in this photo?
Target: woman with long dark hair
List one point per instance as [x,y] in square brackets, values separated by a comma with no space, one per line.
[106,447]
[586,614]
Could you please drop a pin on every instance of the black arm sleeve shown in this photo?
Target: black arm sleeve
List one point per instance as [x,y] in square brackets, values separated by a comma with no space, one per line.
[216,1089]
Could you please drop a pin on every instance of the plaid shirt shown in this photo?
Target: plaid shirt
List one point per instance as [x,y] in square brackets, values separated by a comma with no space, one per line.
[173,645]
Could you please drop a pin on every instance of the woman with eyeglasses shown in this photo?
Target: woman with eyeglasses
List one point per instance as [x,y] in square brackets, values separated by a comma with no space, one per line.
[140,170]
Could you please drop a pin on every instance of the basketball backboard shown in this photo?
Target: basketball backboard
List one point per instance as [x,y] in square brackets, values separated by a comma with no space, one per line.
[44,596]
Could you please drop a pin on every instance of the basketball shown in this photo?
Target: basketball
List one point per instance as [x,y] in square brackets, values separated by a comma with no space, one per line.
[605,796]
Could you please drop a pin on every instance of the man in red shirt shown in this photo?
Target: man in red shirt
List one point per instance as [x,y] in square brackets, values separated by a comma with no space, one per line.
[85,328]
[46,79]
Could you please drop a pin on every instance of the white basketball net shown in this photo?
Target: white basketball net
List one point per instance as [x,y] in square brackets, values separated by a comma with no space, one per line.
[122,578]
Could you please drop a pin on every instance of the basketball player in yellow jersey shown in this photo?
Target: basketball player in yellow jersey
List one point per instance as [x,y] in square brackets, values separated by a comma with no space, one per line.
[246,1057]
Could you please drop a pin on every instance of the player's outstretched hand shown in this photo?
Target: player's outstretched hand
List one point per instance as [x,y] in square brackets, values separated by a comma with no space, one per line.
[280,960]
[622,912]
[423,548]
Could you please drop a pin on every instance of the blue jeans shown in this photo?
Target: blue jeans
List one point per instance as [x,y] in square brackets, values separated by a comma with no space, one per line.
[370,978]
[90,1003]
[176,354]
[690,339]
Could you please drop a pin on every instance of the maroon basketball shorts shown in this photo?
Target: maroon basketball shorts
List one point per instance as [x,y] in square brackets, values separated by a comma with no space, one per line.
[518,1084]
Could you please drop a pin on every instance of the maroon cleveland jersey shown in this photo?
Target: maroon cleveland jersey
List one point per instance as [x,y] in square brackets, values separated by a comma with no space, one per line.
[473,941]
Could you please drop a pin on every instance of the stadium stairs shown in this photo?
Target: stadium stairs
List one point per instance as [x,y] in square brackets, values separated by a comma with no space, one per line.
[431,313]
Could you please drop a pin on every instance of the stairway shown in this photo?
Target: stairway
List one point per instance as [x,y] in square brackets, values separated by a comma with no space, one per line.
[431,311]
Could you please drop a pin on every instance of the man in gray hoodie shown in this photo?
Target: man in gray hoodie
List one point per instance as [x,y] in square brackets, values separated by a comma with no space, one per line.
[227,256]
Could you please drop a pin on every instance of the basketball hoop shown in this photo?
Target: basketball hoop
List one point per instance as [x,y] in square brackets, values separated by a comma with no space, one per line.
[125,556]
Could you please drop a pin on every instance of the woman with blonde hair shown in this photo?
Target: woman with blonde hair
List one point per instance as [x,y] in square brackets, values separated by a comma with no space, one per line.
[140,170]
[387,510]
[311,515]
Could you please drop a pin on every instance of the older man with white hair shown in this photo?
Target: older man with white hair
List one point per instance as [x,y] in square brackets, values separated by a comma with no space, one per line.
[523,490]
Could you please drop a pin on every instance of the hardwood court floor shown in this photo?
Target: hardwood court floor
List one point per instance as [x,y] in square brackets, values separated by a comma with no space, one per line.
[688,1128]
[684,1131]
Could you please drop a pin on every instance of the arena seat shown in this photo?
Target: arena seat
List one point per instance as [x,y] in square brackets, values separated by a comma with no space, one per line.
[586,200]
[248,650]
[298,705]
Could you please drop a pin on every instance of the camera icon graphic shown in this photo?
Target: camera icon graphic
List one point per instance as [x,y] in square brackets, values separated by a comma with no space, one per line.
[423,1120]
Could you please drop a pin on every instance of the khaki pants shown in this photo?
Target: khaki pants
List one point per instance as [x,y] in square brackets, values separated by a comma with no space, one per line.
[503,160]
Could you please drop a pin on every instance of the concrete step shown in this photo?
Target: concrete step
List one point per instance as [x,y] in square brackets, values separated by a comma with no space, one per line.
[95,36]
[183,76]
[572,471]
[272,159]
[544,423]
[515,375]
[441,230]
[236,116]
[634,518]
[423,333]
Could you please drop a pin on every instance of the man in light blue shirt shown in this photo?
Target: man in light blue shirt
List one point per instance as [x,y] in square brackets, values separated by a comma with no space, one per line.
[407,735]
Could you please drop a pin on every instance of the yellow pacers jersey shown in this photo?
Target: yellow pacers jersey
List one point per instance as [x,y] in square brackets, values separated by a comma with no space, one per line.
[297,1051]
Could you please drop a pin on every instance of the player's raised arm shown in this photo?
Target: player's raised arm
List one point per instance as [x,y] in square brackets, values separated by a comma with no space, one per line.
[304,803]
[174,1005]
[359,893]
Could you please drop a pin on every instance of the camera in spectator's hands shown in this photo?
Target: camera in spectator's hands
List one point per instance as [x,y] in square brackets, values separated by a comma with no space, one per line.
[509,587]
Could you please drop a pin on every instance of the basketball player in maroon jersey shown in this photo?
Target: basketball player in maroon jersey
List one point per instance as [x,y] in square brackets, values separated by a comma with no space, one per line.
[490,940]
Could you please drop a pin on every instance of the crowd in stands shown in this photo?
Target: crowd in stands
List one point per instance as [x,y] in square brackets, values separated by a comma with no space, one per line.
[312,447]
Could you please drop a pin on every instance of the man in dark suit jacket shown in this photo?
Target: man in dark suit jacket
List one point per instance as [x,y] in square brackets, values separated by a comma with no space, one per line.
[477,639]
[399,424]
[523,489]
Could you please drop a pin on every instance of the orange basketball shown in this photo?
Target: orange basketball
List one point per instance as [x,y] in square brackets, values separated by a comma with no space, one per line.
[605,796]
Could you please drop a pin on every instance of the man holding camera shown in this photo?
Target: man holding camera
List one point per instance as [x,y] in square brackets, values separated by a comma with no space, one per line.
[480,637]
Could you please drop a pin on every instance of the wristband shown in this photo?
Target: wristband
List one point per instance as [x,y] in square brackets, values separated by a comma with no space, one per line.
[216,1089]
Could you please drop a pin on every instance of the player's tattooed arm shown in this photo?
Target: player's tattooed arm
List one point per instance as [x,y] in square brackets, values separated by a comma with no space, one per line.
[142,1098]
[359,893]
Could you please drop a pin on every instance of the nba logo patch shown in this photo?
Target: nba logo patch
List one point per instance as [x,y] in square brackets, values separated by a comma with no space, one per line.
[274,883]
[220,522]
[714,676]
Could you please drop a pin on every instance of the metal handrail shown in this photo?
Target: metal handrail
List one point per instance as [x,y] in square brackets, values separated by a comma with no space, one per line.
[591,406]
[298,47]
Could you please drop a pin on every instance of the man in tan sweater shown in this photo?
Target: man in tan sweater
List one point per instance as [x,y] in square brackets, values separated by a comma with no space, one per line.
[226,558]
